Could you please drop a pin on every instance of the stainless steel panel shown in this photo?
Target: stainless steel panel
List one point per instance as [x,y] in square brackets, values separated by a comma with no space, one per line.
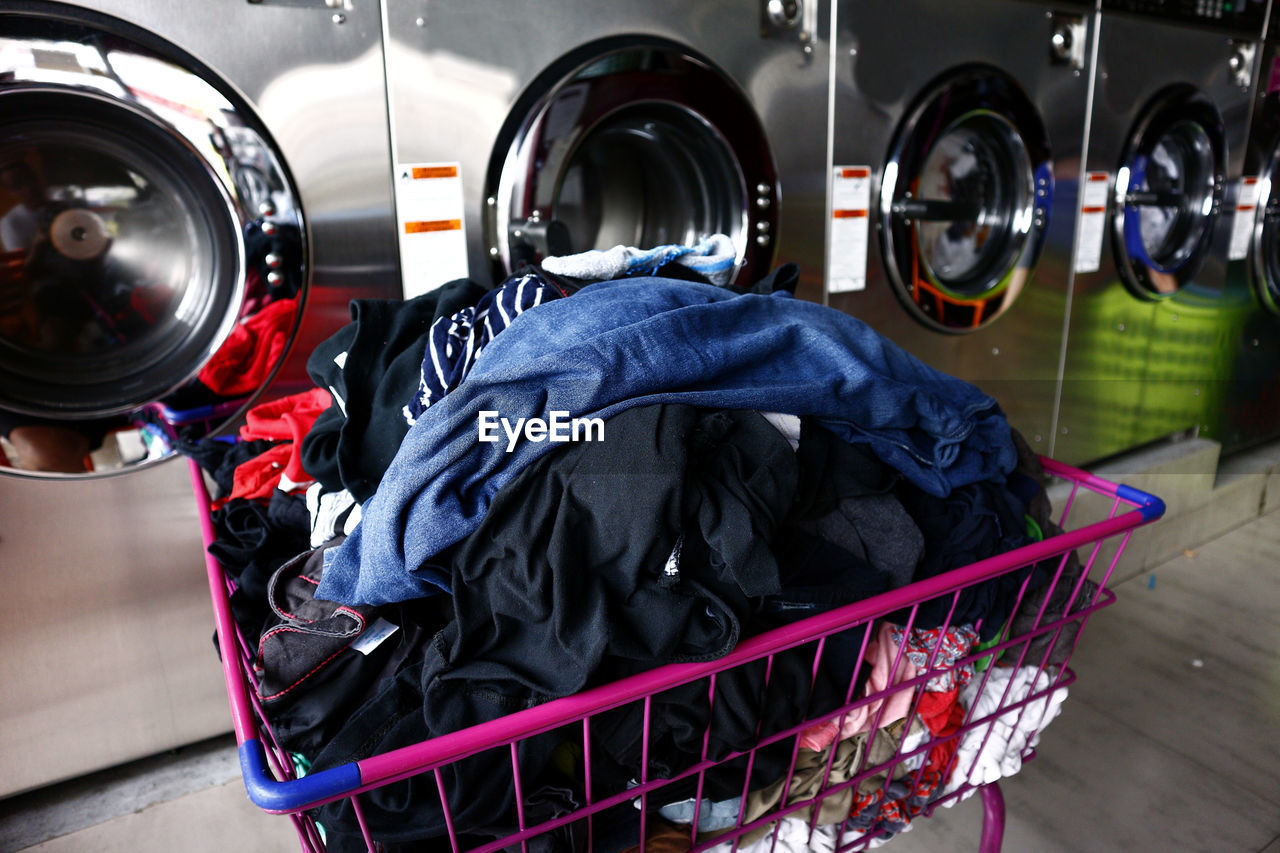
[457,69]
[1138,369]
[883,60]
[106,646]
[105,625]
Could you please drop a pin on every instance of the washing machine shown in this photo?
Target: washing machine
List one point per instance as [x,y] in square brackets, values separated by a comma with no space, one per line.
[171,175]
[1154,325]
[522,130]
[1252,411]
[954,167]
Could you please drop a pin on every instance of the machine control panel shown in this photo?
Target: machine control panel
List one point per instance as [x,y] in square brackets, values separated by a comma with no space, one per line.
[1243,16]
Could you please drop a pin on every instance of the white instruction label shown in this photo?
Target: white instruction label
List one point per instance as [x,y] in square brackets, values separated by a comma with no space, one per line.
[374,635]
[1094,187]
[429,220]
[850,213]
[1242,224]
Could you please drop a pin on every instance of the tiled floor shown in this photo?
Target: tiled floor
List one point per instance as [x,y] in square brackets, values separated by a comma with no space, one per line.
[1170,740]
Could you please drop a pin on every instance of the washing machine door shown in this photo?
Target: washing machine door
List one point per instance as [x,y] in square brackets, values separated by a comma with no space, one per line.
[1168,192]
[635,142]
[964,199]
[1265,251]
[144,217]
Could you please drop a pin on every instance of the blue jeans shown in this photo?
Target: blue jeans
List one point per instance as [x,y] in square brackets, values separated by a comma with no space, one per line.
[618,344]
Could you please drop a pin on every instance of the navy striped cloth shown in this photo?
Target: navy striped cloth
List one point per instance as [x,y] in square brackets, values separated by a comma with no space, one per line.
[455,342]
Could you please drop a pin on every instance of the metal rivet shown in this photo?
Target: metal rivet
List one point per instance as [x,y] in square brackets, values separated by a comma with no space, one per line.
[763,202]
[266,208]
[268,228]
[762,240]
[995,350]
[274,278]
[421,22]
[491,201]
[493,251]
[763,226]
[517,233]
[339,18]
[1038,438]
[273,261]
[763,189]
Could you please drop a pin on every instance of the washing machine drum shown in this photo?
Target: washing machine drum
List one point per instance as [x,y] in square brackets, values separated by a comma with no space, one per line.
[964,199]
[143,217]
[632,142]
[1168,192]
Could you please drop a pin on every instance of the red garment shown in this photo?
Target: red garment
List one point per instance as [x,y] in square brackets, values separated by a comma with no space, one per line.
[250,352]
[937,708]
[256,478]
[287,419]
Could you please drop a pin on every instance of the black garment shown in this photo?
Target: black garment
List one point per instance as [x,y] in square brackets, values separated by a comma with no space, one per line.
[567,583]
[251,545]
[974,522]
[832,469]
[309,677]
[353,441]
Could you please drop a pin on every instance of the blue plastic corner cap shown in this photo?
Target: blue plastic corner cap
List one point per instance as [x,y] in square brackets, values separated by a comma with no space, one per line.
[268,793]
[1149,505]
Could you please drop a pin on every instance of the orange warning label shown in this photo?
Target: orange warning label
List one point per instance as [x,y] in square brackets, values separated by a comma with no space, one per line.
[1101,209]
[435,172]
[848,214]
[855,172]
[433,225]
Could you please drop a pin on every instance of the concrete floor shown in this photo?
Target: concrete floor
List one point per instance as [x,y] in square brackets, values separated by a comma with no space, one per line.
[1170,740]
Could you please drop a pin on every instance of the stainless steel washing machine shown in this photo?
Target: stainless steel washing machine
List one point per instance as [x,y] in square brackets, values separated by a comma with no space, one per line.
[1252,410]
[955,160]
[524,129]
[168,171]
[1154,326]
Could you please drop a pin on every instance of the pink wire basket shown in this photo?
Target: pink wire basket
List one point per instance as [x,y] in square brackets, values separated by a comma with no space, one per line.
[908,778]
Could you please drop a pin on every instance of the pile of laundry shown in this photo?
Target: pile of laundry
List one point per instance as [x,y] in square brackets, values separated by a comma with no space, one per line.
[615,461]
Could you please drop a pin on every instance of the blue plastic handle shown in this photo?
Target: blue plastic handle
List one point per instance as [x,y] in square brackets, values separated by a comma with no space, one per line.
[1149,505]
[268,793]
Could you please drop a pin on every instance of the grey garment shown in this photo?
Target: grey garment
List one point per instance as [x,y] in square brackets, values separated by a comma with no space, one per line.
[1029,465]
[1024,621]
[875,529]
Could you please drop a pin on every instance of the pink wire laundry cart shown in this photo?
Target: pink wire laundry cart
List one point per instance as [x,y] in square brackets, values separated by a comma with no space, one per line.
[1042,648]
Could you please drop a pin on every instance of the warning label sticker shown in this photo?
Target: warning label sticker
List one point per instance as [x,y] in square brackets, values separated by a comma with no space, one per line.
[1094,189]
[433,242]
[1242,223]
[850,216]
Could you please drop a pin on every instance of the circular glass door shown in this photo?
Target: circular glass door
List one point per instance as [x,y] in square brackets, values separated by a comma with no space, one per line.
[631,142]
[1168,191]
[964,200]
[1265,252]
[146,226]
